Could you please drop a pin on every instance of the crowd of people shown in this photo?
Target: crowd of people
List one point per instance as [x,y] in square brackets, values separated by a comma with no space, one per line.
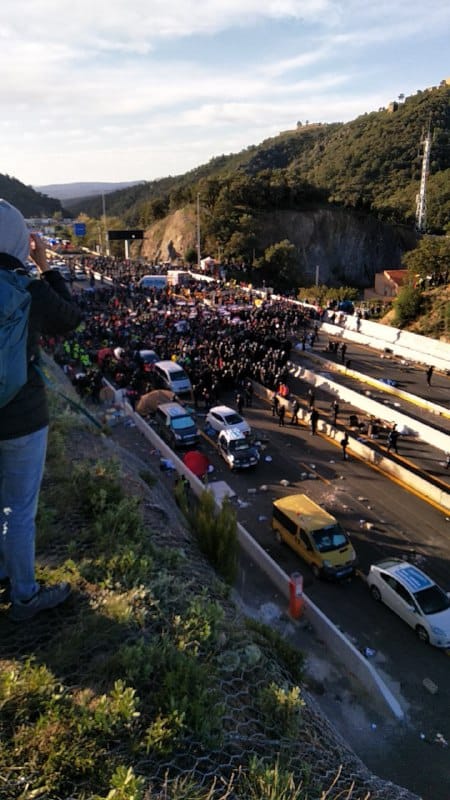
[222,347]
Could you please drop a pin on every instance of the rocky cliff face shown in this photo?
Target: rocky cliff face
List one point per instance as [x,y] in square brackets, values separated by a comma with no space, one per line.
[176,233]
[347,247]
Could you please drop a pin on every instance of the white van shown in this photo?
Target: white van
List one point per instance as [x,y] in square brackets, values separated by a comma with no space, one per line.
[170,375]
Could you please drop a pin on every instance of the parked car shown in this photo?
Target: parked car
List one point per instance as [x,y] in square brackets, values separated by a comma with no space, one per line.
[415,597]
[236,449]
[221,418]
[169,375]
[176,426]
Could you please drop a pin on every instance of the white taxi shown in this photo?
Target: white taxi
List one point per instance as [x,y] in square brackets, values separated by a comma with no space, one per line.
[415,597]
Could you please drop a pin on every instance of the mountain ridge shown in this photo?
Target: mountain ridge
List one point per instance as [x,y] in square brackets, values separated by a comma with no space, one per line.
[80,189]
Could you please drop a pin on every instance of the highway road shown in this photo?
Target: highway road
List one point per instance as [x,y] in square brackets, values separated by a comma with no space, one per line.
[400,524]
[383,518]
[408,376]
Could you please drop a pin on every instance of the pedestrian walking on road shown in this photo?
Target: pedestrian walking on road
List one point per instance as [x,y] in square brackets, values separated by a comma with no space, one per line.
[447,461]
[239,402]
[392,441]
[248,391]
[429,374]
[311,398]
[313,418]
[281,413]
[275,404]
[295,410]
[344,445]
[343,351]
[335,411]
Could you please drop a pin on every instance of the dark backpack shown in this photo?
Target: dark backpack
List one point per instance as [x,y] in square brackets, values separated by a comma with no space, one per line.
[15,303]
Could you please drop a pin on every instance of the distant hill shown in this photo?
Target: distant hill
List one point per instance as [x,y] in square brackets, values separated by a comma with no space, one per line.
[75,191]
[29,201]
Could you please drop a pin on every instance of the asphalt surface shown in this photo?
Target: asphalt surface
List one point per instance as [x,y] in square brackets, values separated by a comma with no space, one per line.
[410,378]
[383,519]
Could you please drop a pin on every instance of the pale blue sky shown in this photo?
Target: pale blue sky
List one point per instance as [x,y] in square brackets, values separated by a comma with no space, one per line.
[116,90]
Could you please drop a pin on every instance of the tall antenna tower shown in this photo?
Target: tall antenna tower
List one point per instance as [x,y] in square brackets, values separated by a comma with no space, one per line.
[421,204]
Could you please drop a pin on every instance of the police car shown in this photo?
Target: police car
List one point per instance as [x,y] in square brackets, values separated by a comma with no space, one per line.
[236,449]
[415,597]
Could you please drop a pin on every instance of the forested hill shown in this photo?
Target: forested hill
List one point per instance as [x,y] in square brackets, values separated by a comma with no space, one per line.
[372,163]
[27,200]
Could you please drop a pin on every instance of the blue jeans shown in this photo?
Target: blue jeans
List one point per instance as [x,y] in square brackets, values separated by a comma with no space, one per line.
[22,462]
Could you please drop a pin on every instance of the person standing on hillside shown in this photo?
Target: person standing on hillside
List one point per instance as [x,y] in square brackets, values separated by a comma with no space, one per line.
[24,423]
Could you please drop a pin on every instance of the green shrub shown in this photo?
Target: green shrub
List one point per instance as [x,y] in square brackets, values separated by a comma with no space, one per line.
[97,487]
[407,306]
[184,685]
[282,708]
[197,626]
[217,534]
[270,782]
[293,659]
[125,785]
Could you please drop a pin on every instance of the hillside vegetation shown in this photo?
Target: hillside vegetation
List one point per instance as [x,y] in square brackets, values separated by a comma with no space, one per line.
[30,202]
[338,197]
[342,196]
[372,163]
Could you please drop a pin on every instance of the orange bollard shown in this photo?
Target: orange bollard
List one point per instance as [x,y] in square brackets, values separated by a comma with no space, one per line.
[296,599]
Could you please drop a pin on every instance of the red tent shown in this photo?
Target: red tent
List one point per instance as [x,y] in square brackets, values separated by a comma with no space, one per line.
[197,462]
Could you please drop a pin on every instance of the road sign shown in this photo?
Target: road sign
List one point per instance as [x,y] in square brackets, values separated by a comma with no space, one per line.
[79,229]
[125,235]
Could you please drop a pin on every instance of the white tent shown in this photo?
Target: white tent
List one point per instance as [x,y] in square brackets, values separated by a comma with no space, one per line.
[207,263]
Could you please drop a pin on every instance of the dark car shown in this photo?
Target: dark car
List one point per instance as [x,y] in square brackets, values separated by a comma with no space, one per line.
[236,449]
[176,426]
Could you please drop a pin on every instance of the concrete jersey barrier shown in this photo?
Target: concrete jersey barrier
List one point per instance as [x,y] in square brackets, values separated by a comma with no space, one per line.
[427,433]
